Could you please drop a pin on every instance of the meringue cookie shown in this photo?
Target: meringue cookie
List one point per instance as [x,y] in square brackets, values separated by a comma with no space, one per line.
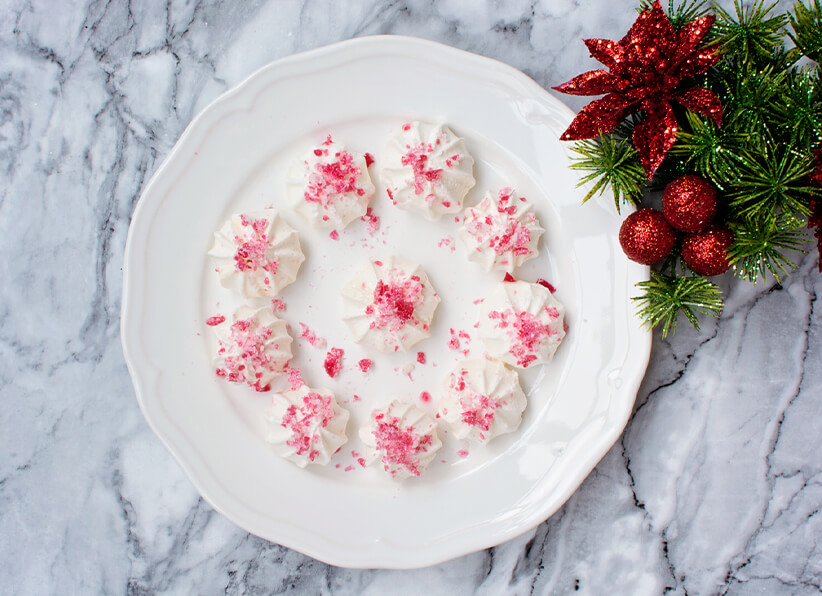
[428,169]
[402,438]
[521,323]
[483,399]
[254,349]
[257,254]
[389,304]
[501,234]
[329,186]
[306,426]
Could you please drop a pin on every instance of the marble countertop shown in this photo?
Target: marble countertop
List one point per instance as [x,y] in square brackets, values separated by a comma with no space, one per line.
[714,487]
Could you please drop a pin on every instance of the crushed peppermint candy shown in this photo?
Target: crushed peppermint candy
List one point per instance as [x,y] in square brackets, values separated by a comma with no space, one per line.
[215,320]
[417,158]
[526,331]
[365,365]
[311,337]
[399,446]
[425,397]
[306,421]
[447,242]
[333,362]
[295,378]
[421,357]
[244,356]
[277,305]
[372,222]
[394,302]
[252,248]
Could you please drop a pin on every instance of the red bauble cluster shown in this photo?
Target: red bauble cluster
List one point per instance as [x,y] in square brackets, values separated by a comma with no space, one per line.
[706,253]
[689,206]
[646,237]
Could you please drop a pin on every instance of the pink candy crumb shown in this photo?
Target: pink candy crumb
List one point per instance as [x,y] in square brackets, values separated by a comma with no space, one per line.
[333,362]
[215,320]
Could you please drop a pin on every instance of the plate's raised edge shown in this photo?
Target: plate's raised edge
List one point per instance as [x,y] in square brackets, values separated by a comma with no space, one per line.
[639,344]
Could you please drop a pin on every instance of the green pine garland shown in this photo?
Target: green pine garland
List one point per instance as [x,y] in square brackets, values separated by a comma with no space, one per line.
[760,158]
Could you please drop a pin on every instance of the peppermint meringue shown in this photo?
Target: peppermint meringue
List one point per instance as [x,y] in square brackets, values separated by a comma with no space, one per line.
[253,349]
[329,186]
[306,426]
[389,305]
[428,169]
[521,323]
[401,438]
[483,399]
[257,254]
[501,233]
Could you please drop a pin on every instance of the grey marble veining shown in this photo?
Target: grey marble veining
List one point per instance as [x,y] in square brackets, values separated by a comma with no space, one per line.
[715,486]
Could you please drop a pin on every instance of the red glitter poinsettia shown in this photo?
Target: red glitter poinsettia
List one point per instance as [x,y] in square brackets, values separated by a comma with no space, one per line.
[646,68]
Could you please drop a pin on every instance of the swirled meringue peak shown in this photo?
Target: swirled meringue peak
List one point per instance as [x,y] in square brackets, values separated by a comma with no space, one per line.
[427,169]
[329,186]
[521,323]
[389,304]
[257,254]
[306,426]
[501,233]
[401,439]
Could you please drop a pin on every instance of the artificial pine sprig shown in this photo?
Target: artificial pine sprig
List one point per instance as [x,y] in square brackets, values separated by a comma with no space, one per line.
[760,244]
[800,111]
[665,296]
[806,23]
[610,160]
[772,182]
[682,14]
[752,32]
[709,150]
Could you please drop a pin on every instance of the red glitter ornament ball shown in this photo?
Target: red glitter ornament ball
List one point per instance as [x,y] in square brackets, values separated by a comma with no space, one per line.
[689,203]
[646,237]
[706,253]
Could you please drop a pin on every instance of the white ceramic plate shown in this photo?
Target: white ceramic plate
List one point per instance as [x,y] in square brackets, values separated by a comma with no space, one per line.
[232,158]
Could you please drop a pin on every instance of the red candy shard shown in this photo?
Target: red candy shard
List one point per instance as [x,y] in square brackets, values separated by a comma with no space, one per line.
[369,159]
[333,362]
[421,357]
[215,320]
[546,284]
[365,364]
[508,277]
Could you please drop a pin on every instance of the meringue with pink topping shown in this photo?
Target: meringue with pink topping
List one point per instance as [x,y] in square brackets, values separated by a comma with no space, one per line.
[501,233]
[257,254]
[401,439]
[389,304]
[254,348]
[427,169]
[330,186]
[521,323]
[306,426]
[483,399]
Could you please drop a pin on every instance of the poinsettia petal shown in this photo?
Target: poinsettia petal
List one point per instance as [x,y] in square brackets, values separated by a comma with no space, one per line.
[601,115]
[604,50]
[702,101]
[653,25]
[691,34]
[655,135]
[697,62]
[594,82]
